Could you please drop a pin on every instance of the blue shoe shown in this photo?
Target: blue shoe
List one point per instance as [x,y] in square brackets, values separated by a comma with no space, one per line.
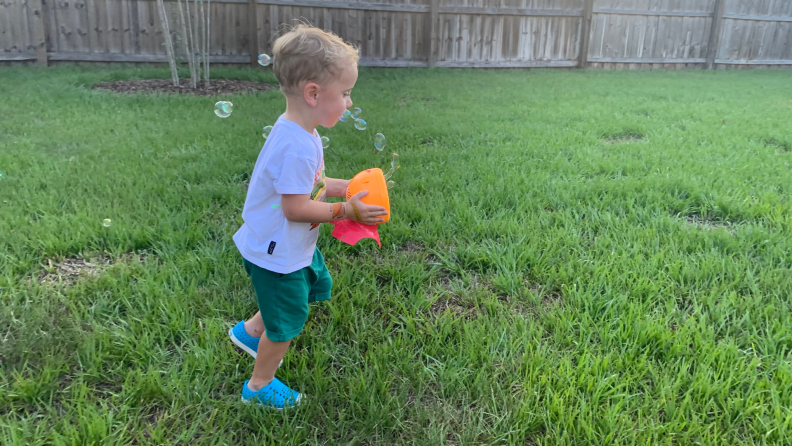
[275,395]
[243,340]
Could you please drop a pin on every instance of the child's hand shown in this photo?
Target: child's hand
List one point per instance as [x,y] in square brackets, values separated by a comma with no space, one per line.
[364,213]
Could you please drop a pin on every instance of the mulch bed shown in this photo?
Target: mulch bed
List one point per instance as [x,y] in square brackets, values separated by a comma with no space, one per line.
[216,87]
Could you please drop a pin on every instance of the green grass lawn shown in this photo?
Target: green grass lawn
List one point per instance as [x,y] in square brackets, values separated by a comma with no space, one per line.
[574,258]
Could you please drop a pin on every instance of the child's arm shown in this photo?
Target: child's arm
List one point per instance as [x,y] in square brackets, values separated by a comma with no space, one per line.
[336,187]
[301,209]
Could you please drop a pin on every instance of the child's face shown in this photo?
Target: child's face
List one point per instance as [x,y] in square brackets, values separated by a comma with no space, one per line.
[335,97]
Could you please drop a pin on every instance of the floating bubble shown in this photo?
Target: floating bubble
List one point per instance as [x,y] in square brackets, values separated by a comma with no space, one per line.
[223,109]
[391,183]
[356,112]
[379,141]
[264,60]
[106,222]
[360,124]
[346,116]
[325,142]
[394,165]
[265,132]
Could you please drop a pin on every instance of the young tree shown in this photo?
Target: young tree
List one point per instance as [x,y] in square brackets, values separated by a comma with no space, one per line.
[168,42]
[193,39]
[206,34]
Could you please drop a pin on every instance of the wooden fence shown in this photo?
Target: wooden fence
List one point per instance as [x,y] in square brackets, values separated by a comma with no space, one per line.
[407,33]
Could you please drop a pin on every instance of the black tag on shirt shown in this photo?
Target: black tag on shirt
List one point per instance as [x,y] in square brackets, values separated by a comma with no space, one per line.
[271,248]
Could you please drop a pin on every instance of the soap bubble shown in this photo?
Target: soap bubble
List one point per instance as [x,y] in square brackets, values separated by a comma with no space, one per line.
[346,116]
[223,109]
[394,165]
[265,132]
[356,112]
[106,222]
[391,183]
[264,60]
[325,142]
[360,124]
[379,141]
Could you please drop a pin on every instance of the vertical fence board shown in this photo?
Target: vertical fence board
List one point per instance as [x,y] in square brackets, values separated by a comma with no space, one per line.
[38,30]
[17,37]
[6,41]
[26,38]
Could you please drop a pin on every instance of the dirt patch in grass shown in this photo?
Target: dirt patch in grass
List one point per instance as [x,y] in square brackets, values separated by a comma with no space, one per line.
[105,389]
[217,87]
[450,299]
[778,144]
[454,305]
[703,223]
[623,137]
[69,270]
[404,100]
[454,285]
[549,298]
[412,248]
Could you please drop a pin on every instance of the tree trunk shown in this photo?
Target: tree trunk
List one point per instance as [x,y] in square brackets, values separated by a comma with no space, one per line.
[196,43]
[168,42]
[206,43]
[190,43]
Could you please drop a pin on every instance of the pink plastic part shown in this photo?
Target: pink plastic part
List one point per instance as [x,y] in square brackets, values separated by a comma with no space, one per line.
[351,232]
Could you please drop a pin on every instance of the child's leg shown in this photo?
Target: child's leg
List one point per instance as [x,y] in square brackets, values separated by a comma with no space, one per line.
[284,299]
[255,326]
[269,356]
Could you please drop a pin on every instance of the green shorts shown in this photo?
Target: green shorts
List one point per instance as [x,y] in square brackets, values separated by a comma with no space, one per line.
[283,298]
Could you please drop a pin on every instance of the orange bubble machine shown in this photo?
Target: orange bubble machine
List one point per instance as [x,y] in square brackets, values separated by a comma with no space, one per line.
[372,180]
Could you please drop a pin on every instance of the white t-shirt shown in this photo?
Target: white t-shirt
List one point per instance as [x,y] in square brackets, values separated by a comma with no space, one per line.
[291,162]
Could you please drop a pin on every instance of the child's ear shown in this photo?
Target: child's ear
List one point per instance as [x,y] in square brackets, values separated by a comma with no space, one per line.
[311,93]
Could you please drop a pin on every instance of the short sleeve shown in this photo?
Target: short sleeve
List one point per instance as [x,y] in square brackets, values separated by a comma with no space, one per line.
[296,175]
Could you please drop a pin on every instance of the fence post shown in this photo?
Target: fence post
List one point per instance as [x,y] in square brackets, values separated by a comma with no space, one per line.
[433,31]
[39,31]
[585,33]
[715,31]
[253,32]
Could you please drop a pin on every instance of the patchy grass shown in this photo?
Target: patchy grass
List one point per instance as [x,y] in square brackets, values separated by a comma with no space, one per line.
[778,144]
[69,270]
[546,278]
[623,137]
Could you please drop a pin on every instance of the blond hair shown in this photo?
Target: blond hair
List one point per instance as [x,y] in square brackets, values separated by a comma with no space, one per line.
[309,54]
